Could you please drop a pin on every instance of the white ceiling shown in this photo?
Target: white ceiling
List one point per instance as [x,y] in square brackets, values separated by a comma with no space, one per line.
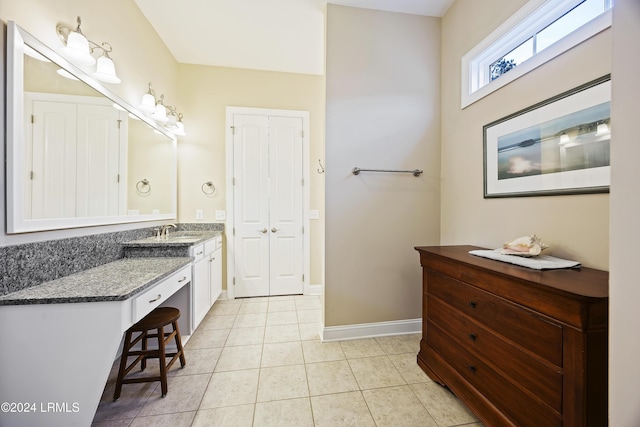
[276,35]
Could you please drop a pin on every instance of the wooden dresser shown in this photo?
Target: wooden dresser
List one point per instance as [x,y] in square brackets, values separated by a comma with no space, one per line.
[519,347]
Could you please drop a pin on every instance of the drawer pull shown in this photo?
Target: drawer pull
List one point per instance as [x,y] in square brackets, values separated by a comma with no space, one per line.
[473,369]
[473,337]
[183,279]
[155,299]
[200,253]
[473,304]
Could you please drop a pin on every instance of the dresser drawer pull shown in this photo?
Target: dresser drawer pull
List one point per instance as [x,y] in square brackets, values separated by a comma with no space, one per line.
[473,337]
[155,299]
[473,304]
[472,369]
[200,253]
[183,279]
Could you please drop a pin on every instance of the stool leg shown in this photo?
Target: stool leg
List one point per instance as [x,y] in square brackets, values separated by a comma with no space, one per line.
[123,365]
[163,363]
[179,344]
[143,363]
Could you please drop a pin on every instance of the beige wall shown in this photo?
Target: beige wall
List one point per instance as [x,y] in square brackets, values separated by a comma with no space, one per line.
[624,347]
[576,226]
[205,92]
[383,96]
[139,54]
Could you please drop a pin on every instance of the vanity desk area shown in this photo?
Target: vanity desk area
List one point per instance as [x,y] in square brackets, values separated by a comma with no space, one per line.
[520,347]
[62,337]
[70,329]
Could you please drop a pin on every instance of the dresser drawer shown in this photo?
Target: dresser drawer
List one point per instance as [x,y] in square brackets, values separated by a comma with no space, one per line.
[143,303]
[522,407]
[528,371]
[509,320]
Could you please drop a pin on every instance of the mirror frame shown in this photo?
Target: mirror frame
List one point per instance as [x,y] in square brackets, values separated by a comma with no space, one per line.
[17,37]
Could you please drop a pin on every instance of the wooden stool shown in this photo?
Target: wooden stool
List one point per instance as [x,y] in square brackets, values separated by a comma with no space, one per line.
[156,320]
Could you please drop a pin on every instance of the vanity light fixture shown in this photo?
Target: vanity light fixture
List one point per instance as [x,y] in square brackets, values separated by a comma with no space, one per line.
[105,69]
[148,103]
[602,128]
[165,115]
[64,73]
[160,112]
[78,48]
[179,126]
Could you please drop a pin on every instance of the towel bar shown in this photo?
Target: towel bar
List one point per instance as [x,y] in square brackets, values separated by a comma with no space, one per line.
[415,172]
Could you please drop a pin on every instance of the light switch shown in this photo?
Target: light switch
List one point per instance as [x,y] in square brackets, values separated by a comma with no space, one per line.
[199,214]
[314,214]
[221,215]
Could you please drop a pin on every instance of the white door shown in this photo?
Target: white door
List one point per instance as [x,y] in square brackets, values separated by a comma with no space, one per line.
[98,158]
[268,205]
[74,153]
[51,161]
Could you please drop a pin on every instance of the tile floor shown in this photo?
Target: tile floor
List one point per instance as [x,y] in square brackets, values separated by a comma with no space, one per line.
[260,362]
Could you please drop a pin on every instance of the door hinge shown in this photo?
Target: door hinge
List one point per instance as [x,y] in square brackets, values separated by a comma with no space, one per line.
[302,133]
[31,175]
[302,230]
[302,181]
[119,123]
[33,118]
[233,181]
[234,231]
[234,281]
[233,130]
[118,178]
[303,277]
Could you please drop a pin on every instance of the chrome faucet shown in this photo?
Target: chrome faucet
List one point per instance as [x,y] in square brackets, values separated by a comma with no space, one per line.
[165,230]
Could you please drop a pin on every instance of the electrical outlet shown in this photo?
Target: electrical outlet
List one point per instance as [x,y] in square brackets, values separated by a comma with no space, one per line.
[314,214]
[199,214]
[221,215]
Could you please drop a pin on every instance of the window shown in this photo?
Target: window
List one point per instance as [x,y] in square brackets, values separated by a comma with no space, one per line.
[537,33]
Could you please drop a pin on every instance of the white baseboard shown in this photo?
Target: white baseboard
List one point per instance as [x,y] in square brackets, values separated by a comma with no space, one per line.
[370,330]
[223,295]
[313,289]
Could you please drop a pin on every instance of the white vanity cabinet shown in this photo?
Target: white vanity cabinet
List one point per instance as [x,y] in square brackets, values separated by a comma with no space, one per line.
[207,277]
[215,270]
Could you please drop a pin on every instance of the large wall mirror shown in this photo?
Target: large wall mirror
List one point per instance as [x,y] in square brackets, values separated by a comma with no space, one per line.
[77,154]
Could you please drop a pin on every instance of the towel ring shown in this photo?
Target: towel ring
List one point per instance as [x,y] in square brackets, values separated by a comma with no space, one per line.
[143,183]
[212,188]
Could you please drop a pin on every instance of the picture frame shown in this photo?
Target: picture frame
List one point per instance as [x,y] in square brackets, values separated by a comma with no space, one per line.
[556,147]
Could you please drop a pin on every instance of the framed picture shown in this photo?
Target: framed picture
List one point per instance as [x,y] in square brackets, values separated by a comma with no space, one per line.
[559,146]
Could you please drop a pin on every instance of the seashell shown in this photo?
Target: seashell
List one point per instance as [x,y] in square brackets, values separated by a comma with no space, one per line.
[525,245]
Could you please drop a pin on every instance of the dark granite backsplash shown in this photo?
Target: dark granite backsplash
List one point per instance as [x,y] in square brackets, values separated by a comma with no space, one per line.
[30,264]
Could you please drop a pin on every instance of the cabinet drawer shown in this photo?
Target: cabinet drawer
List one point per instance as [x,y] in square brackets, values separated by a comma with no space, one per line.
[213,244]
[524,369]
[197,251]
[509,320]
[151,298]
[523,408]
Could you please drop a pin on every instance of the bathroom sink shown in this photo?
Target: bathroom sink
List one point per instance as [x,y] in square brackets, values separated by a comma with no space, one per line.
[177,237]
[182,238]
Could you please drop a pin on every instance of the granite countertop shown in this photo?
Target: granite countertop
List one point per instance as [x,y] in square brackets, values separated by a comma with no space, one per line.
[176,238]
[115,281]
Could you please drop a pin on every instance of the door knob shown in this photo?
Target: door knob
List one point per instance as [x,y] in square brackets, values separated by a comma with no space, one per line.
[273,230]
[264,230]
